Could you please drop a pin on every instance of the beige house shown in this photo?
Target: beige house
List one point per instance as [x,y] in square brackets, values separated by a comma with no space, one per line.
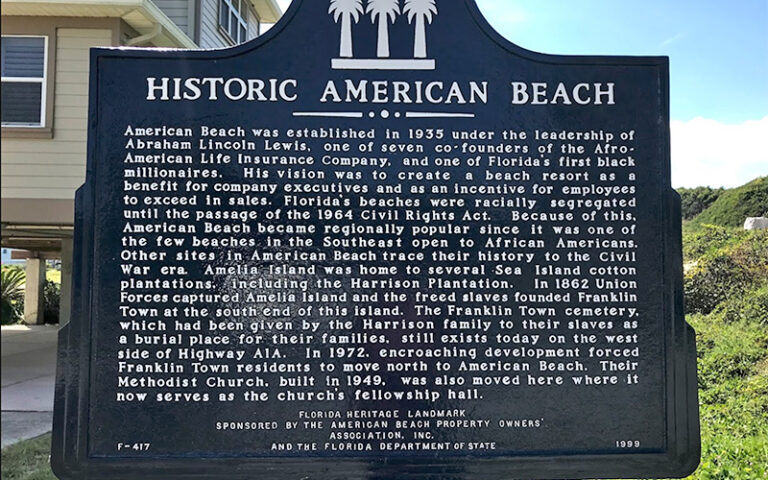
[45,51]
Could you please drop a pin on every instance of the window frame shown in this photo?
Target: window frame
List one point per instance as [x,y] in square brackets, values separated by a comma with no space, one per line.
[240,16]
[43,86]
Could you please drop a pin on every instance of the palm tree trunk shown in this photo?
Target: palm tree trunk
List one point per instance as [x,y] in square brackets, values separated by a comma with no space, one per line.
[420,43]
[346,37]
[383,47]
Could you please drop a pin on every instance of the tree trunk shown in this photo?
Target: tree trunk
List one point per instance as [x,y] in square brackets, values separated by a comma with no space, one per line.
[383,47]
[346,37]
[420,43]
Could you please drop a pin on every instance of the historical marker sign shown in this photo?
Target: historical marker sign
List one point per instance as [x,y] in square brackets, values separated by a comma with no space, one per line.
[380,241]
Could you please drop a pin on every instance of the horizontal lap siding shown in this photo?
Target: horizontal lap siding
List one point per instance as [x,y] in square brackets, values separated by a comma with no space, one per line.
[210,36]
[55,168]
[253,25]
[178,12]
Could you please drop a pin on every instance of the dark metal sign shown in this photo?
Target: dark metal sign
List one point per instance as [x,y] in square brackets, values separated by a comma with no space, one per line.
[380,241]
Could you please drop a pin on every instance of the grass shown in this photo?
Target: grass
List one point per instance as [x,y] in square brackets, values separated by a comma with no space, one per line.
[28,460]
[733,389]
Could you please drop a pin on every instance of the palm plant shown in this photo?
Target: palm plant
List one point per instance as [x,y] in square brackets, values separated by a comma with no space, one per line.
[12,281]
[346,11]
[422,11]
[382,11]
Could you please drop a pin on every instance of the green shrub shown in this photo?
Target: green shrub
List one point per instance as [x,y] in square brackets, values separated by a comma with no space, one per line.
[696,200]
[727,285]
[51,301]
[752,305]
[12,280]
[709,238]
[733,265]
[712,281]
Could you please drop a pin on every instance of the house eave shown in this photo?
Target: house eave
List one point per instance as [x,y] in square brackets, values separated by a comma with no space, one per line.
[141,15]
[268,10]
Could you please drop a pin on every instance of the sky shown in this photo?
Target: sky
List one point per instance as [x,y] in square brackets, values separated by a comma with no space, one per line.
[718,53]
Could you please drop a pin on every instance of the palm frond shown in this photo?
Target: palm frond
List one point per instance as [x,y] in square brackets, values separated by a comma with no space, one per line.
[354,8]
[416,8]
[390,8]
[12,281]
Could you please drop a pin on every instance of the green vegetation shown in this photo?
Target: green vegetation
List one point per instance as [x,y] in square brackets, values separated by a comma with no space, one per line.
[733,206]
[724,264]
[726,288]
[28,460]
[51,300]
[12,280]
[696,200]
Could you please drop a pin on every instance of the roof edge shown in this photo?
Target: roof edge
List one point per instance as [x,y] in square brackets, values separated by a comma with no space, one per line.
[268,10]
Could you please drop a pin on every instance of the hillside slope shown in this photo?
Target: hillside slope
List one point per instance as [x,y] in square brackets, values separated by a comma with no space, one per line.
[733,206]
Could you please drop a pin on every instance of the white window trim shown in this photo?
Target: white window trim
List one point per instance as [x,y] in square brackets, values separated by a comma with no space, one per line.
[43,84]
[241,21]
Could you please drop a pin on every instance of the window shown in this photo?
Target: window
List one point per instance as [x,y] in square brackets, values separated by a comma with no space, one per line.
[23,60]
[232,19]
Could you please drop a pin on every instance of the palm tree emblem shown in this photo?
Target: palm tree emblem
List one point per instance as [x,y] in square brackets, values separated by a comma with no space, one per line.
[346,10]
[383,11]
[422,11]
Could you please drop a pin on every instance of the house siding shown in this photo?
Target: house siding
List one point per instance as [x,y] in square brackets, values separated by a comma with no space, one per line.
[181,12]
[55,168]
[253,25]
[210,35]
